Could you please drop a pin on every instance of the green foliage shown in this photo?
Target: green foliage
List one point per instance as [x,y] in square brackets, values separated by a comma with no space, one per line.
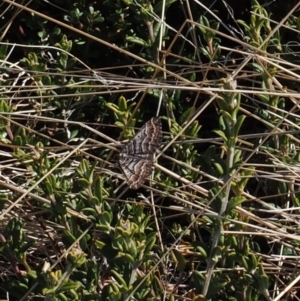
[123,115]
[76,79]
[209,31]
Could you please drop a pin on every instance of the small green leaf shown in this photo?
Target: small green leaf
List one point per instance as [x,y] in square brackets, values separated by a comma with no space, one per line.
[119,278]
[122,103]
[138,41]
[221,134]
[238,125]
[179,259]
[68,286]
[114,108]
[186,115]
[99,244]
[150,241]
[233,202]
[219,168]
[202,251]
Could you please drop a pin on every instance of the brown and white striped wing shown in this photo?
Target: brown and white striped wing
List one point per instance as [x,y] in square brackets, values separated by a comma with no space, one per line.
[147,140]
[136,158]
[136,169]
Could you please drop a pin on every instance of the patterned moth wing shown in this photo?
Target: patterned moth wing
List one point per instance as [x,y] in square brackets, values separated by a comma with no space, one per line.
[136,158]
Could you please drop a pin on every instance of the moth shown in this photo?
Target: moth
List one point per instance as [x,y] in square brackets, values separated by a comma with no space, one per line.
[136,158]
